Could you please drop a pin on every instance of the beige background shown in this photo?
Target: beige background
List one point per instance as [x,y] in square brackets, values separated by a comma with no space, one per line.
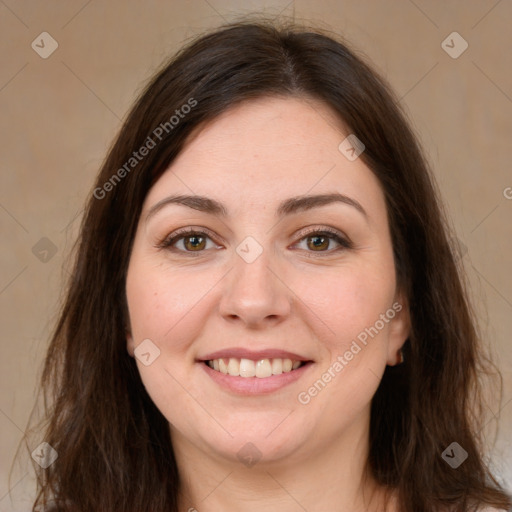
[60,114]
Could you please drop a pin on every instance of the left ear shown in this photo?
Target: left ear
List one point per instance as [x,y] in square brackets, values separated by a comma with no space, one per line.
[399,328]
[129,343]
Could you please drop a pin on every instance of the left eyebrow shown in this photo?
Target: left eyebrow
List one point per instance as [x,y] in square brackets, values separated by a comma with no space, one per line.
[301,203]
[287,207]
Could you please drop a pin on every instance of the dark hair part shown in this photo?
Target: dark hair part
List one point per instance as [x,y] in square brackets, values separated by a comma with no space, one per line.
[113,443]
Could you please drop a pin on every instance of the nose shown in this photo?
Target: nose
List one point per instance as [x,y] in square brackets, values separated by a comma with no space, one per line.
[255,294]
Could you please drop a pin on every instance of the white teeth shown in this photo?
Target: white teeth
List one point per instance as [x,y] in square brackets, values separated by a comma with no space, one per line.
[234,367]
[277,366]
[247,368]
[223,367]
[261,369]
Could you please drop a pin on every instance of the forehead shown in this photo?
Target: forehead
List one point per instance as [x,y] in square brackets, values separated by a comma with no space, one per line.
[263,151]
[279,128]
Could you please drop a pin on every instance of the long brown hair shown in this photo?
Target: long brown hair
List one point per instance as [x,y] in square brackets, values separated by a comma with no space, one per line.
[113,444]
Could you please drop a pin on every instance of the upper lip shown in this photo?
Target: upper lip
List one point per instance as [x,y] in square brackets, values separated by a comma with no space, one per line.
[255,355]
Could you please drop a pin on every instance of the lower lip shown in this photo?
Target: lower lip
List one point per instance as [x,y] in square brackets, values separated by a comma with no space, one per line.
[255,385]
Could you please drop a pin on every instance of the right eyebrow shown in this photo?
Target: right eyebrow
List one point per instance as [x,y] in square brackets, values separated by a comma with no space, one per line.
[201,203]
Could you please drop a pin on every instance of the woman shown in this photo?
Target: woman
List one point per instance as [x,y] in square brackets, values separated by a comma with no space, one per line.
[265,312]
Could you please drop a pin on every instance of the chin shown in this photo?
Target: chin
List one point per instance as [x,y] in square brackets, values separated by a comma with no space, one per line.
[263,443]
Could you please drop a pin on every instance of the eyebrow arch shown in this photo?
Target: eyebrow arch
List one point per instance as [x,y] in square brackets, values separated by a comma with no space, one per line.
[287,207]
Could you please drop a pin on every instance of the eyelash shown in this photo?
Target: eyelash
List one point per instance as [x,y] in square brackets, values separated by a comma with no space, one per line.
[168,242]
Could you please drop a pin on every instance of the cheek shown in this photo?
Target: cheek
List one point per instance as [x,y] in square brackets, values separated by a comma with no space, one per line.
[167,305]
[156,303]
[347,301]
[161,308]
[350,302]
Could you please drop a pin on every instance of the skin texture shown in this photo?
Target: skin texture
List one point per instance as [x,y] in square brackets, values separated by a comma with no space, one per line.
[292,297]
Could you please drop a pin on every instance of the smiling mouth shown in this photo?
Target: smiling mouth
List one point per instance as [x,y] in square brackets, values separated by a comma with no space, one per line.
[261,368]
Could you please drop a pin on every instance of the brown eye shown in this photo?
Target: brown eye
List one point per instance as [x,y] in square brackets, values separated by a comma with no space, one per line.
[318,243]
[323,241]
[194,242]
[188,241]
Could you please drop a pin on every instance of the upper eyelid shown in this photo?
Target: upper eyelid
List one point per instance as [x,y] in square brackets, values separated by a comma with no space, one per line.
[318,229]
[191,230]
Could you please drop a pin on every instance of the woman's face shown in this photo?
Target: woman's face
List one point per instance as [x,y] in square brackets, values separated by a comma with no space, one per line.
[289,263]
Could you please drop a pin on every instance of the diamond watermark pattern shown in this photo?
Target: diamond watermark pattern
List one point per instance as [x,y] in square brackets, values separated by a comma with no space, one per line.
[146,352]
[454,45]
[44,250]
[45,455]
[249,455]
[44,45]
[249,249]
[455,455]
[351,147]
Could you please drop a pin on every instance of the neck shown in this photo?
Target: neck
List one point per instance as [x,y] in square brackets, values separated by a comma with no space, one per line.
[333,478]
